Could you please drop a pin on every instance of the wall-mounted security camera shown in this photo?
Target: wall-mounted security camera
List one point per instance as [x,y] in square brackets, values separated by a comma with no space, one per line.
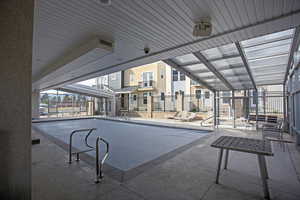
[202,28]
[146,50]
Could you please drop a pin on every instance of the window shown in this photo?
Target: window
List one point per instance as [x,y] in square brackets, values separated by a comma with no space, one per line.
[175,75]
[194,82]
[162,96]
[162,73]
[226,100]
[109,106]
[113,76]
[147,79]
[207,94]
[131,76]
[122,100]
[182,76]
[145,98]
[147,76]
[198,94]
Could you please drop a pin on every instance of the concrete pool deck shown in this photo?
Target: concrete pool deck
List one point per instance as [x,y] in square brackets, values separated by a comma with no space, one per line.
[188,175]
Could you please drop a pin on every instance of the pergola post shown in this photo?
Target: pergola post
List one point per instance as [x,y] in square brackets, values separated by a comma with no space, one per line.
[233,108]
[215,110]
[256,108]
[35,101]
[218,108]
[284,106]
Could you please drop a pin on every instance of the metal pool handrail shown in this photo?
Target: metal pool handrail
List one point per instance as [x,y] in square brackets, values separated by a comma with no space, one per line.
[99,166]
[90,130]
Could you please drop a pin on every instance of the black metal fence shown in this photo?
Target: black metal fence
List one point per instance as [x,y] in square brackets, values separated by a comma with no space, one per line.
[194,103]
[268,103]
[63,105]
[165,103]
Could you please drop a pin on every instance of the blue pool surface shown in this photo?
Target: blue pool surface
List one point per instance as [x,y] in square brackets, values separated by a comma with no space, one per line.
[131,144]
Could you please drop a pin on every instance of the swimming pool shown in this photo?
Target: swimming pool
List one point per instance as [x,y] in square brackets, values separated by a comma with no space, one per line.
[131,145]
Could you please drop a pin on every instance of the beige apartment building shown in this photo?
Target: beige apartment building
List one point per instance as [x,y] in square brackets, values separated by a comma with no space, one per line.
[163,84]
[141,82]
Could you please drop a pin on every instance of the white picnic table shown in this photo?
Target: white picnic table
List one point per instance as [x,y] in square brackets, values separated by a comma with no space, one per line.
[261,148]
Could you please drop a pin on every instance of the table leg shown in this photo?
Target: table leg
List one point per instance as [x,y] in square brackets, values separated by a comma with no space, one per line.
[219,165]
[263,175]
[226,158]
[265,166]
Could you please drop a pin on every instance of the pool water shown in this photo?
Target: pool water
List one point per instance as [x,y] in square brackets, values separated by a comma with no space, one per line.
[131,144]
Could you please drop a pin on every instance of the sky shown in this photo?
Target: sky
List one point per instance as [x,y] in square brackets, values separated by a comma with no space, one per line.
[89,82]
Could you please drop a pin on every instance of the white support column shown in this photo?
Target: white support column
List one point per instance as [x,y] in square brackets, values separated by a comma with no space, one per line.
[35,104]
[16,22]
[113,111]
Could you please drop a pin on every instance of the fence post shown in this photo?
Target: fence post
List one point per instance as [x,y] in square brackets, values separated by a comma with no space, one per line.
[179,102]
[149,105]
[164,104]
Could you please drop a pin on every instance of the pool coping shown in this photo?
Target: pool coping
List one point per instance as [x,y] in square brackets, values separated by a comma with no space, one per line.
[141,122]
[125,175]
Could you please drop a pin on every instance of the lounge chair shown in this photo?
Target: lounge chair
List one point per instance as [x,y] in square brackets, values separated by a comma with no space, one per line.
[189,117]
[181,115]
[275,133]
[175,115]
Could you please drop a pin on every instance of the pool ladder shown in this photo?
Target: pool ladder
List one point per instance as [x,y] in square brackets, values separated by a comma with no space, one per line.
[99,165]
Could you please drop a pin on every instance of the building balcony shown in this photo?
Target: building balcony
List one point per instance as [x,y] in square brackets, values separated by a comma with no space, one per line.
[146,85]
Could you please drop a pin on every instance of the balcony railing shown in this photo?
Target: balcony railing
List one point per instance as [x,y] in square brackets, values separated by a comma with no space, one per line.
[146,84]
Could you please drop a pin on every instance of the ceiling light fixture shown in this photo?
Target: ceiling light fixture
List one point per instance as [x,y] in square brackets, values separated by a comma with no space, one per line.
[202,28]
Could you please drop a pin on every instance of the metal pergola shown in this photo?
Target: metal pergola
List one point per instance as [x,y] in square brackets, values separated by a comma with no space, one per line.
[243,65]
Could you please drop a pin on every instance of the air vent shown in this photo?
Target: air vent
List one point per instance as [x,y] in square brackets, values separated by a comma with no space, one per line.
[106,43]
[105,2]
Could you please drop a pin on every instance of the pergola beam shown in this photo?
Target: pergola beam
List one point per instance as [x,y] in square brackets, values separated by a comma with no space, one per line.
[292,50]
[220,69]
[177,67]
[211,60]
[213,70]
[229,76]
[238,46]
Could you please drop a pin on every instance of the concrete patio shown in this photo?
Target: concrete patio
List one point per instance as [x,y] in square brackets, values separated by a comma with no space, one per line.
[188,175]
